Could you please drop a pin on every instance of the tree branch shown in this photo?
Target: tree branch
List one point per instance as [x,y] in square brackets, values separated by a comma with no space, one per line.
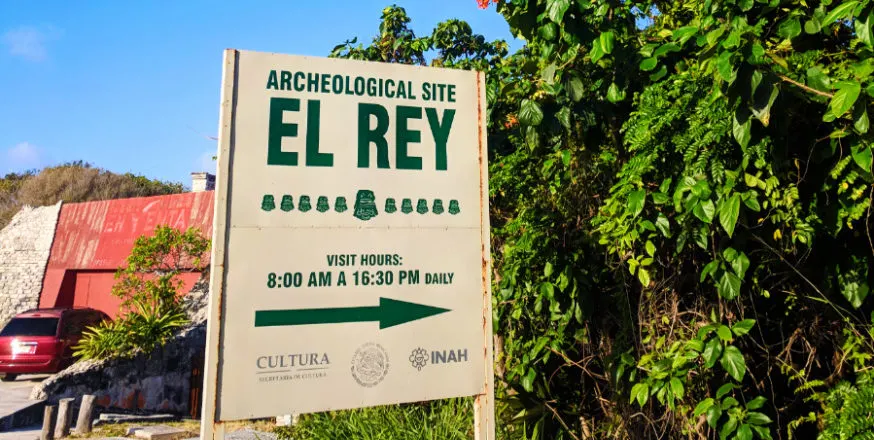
[809,89]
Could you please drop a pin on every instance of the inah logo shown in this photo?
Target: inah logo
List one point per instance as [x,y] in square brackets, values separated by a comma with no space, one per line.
[419,358]
[369,364]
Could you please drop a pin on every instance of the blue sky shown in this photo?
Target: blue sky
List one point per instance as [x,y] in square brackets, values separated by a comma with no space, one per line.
[136,87]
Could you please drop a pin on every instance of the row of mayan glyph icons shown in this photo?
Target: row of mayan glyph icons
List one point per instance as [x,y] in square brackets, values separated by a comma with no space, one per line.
[365,205]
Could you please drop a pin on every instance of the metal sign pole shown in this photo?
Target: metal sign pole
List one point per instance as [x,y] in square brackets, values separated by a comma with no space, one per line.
[210,427]
[484,406]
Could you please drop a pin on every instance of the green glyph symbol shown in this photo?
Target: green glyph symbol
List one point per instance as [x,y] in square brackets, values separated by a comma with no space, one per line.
[438,207]
[267,203]
[340,204]
[287,204]
[453,207]
[390,206]
[422,206]
[365,205]
[305,204]
[407,206]
[322,204]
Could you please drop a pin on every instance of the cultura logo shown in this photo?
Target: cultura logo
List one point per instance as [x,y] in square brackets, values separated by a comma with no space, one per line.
[419,358]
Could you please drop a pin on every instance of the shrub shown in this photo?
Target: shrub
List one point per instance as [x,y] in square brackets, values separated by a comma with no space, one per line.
[149,287]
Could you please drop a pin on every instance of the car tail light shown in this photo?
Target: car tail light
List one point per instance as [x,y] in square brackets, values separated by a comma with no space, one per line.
[19,347]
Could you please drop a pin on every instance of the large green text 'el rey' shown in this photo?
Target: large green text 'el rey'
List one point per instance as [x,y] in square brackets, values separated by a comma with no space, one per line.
[373,123]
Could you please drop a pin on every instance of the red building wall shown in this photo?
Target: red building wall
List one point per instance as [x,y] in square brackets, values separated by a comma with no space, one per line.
[93,239]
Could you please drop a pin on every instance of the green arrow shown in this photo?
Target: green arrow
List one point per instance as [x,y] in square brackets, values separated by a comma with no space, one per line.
[389,313]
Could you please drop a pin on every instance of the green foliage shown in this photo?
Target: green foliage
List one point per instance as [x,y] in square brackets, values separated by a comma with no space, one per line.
[149,289]
[680,201]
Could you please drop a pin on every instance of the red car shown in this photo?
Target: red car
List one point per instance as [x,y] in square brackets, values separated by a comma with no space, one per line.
[41,341]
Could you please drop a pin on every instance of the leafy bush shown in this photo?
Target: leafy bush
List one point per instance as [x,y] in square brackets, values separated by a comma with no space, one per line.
[681,210]
[149,287]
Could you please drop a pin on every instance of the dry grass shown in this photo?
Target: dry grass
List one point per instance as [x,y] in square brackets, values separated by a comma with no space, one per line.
[192,427]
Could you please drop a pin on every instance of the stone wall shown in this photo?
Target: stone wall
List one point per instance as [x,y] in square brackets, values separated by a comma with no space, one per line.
[25,244]
[160,381]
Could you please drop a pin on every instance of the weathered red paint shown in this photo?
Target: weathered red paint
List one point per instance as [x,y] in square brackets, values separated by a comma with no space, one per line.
[93,240]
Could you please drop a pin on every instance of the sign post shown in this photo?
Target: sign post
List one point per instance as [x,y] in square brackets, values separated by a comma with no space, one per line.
[351,262]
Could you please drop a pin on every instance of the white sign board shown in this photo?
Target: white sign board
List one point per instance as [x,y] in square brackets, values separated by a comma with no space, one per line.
[351,245]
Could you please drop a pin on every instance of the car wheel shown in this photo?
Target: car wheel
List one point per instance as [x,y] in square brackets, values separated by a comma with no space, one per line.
[9,377]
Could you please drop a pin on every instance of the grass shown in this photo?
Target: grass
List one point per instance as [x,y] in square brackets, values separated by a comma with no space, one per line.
[192,427]
[450,419]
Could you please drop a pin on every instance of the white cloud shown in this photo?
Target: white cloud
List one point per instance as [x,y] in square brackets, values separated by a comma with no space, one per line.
[29,42]
[23,156]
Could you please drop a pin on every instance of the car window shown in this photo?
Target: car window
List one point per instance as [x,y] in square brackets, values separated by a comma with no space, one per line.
[31,327]
[74,323]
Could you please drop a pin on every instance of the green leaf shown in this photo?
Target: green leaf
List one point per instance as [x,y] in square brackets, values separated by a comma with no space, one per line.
[789,28]
[729,212]
[650,248]
[733,362]
[724,389]
[615,95]
[713,36]
[756,418]
[574,86]
[740,265]
[548,31]
[597,51]
[724,333]
[764,433]
[741,328]
[708,269]
[729,427]
[548,269]
[729,402]
[606,40]
[639,392]
[862,156]
[528,380]
[548,73]
[683,34]
[712,352]
[744,432]
[663,225]
[813,26]
[704,211]
[666,48]
[636,200]
[741,131]
[818,79]
[555,9]
[729,286]
[745,5]
[530,113]
[863,28]
[841,11]
[844,98]
[724,65]
[648,64]
[860,117]
[677,387]
[643,277]
[713,415]
[659,74]
[756,403]
[703,406]
[564,117]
